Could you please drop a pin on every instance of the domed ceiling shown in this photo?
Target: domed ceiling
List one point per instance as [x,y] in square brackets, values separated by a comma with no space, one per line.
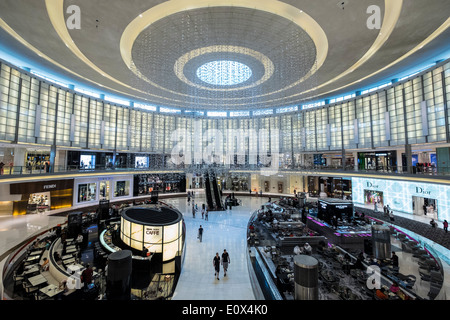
[225,54]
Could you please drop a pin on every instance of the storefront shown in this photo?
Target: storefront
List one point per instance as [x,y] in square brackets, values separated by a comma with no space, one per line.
[379,161]
[332,187]
[94,189]
[42,196]
[234,182]
[92,159]
[403,196]
[196,181]
[329,208]
[37,159]
[425,206]
[144,184]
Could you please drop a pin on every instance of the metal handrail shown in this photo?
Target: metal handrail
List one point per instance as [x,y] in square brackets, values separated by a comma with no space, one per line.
[9,171]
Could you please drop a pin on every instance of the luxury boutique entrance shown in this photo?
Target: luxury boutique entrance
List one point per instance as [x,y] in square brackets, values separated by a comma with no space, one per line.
[425,207]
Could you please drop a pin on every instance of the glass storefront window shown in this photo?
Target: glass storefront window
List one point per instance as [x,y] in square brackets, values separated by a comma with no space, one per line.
[39,202]
[104,190]
[122,188]
[87,192]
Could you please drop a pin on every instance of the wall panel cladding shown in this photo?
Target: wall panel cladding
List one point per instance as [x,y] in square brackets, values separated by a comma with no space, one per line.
[407,112]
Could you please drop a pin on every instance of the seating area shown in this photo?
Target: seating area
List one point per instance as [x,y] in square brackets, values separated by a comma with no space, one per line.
[429,268]
[32,279]
[341,275]
[51,269]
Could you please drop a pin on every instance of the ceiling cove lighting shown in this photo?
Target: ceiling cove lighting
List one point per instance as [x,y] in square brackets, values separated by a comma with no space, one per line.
[224,73]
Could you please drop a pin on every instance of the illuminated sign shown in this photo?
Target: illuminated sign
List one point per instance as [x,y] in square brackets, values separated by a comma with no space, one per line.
[421,190]
[371,185]
[399,194]
[152,231]
[165,239]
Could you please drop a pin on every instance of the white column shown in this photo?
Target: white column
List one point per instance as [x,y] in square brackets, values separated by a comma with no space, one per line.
[399,160]
[19,156]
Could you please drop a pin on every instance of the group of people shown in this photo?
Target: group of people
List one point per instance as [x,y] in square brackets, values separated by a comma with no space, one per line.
[224,262]
[204,210]
[388,212]
[434,224]
[383,293]
[306,249]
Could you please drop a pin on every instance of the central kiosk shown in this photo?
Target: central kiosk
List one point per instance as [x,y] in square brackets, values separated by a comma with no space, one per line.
[155,236]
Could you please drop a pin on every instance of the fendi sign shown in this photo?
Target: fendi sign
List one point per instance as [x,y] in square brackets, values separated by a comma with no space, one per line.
[40,186]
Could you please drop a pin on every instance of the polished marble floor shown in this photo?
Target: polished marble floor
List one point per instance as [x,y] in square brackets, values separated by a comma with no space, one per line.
[223,230]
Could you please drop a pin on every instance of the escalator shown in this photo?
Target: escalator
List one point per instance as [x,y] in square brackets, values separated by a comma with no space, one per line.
[212,191]
[216,191]
[208,193]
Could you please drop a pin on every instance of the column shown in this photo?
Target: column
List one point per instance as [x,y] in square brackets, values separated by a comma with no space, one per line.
[19,157]
[52,158]
[118,282]
[60,161]
[306,277]
[408,155]
[381,242]
[355,160]
[399,161]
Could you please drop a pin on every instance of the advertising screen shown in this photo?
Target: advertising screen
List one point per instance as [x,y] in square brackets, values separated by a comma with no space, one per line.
[141,162]
[87,161]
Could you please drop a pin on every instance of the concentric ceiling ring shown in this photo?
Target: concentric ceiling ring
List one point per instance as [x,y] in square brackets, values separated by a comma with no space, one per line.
[184,59]
[166,9]
[56,14]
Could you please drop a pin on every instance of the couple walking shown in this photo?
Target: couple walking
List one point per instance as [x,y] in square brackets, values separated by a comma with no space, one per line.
[217,262]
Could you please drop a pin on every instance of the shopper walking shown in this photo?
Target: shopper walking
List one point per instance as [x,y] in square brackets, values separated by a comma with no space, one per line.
[206,214]
[391,215]
[216,264]
[200,233]
[225,262]
[433,223]
[445,226]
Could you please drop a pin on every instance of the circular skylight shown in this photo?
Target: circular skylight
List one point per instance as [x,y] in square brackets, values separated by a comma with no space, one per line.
[224,73]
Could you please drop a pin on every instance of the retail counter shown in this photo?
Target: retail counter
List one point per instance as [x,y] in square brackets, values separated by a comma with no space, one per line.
[346,236]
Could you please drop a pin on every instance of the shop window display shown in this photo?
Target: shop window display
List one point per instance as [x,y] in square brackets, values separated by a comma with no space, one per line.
[39,202]
[87,192]
[122,189]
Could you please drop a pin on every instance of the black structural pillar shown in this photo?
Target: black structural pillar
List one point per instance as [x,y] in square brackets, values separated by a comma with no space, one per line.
[118,281]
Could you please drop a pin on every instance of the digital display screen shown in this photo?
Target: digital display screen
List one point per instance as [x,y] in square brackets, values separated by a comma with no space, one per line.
[87,161]
[141,162]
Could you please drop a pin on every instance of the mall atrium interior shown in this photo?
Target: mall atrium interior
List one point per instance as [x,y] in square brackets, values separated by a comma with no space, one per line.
[224,150]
